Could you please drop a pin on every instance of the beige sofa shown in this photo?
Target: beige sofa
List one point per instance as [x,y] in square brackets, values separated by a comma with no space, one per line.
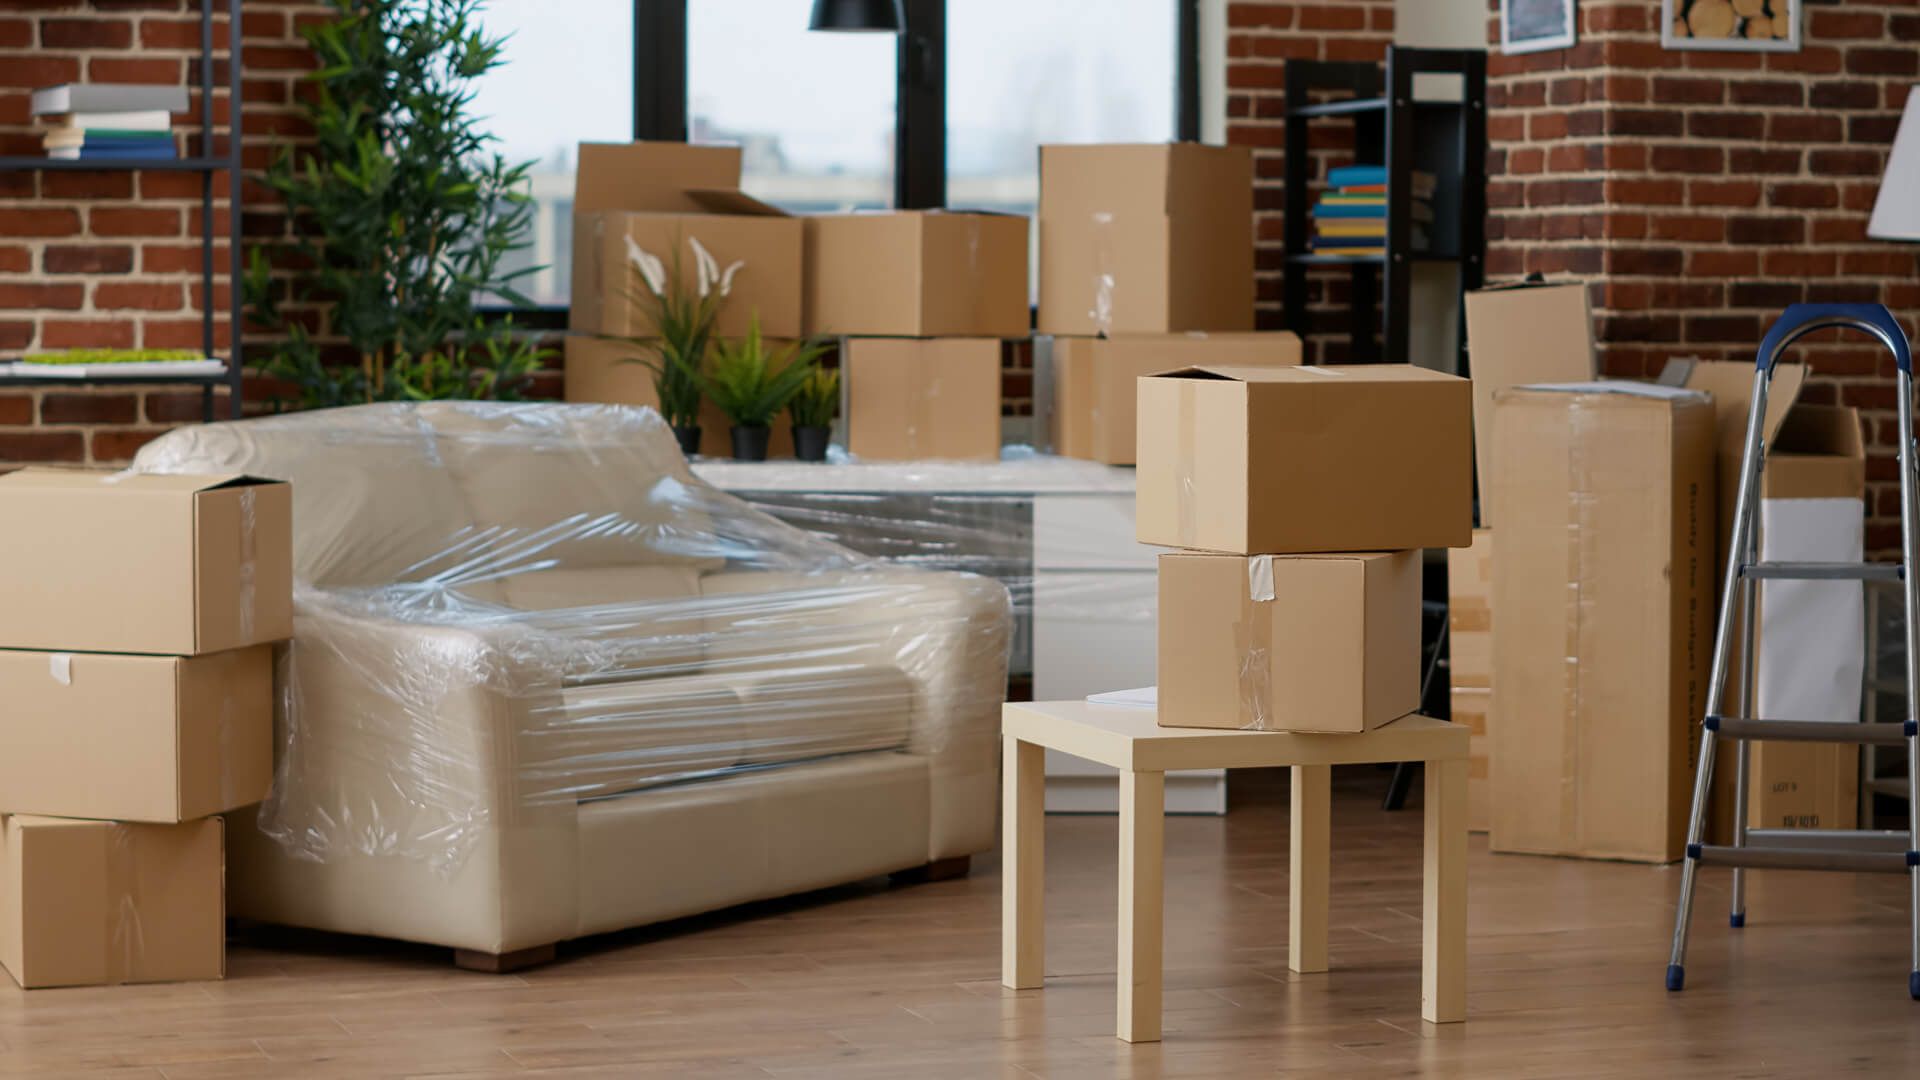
[545,683]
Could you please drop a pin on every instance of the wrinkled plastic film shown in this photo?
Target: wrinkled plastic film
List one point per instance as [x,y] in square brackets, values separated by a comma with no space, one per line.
[508,618]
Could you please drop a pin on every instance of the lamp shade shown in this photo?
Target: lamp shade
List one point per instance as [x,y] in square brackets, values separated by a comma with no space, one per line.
[871,16]
[1896,214]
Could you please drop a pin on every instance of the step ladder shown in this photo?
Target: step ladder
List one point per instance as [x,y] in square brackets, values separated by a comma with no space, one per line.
[1803,849]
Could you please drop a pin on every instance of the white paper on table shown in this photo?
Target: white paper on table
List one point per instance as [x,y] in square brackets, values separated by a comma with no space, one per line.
[1146,697]
[1813,646]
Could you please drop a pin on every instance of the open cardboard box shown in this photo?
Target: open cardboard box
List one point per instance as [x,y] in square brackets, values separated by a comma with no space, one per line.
[1094,391]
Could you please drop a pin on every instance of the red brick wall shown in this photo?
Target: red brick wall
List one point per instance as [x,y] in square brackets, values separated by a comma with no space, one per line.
[112,258]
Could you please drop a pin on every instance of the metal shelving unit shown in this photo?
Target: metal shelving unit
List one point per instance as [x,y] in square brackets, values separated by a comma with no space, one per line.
[209,166]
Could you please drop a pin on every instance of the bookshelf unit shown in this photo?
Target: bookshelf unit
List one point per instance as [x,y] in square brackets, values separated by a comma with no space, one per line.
[1444,134]
[208,165]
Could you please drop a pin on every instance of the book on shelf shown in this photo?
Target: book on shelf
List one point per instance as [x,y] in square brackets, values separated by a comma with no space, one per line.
[109,97]
[119,151]
[146,120]
[1352,227]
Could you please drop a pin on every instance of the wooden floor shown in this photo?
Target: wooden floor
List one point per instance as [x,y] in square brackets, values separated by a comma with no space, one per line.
[871,981]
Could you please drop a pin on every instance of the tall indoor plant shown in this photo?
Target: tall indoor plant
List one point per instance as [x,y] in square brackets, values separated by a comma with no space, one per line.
[683,316]
[404,217]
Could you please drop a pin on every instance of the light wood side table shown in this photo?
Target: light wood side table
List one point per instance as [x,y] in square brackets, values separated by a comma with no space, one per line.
[1133,742]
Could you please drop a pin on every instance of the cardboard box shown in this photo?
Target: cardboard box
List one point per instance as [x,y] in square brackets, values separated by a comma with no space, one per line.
[601,372]
[1094,391]
[923,399]
[1289,642]
[128,562]
[917,273]
[96,903]
[660,195]
[1279,460]
[1470,664]
[1603,584]
[1522,333]
[136,738]
[1145,238]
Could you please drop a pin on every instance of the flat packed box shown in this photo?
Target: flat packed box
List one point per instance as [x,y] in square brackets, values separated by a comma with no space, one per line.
[142,563]
[1289,642]
[1603,581]
[136,738]
[1145,238]
[658,197]
[1522,333]
[1470,664]
[923,399]
[917,273]
[1280,460]
[1094,392]
[96,903]
[599,371]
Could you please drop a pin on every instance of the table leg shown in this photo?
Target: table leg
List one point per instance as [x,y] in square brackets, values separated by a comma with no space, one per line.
[1443,915]
[1307,868]
[1143,806]
[1023,786]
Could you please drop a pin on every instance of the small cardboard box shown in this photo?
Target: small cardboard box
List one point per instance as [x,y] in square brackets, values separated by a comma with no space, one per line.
[1280,460]
[1145,238]
[1522,333]
[143,563]
[660,196]
[97,903]
[600,371]
[923,399]
[1602,579]
[917,273]
[1289,642]
[1094,393]
[1470,663]
[136,738]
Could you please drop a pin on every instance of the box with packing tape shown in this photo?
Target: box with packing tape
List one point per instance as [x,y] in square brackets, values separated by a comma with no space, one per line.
[1525,332]
[1282,460]
[144,563]
[922,399]
[1094,392]
[917,273]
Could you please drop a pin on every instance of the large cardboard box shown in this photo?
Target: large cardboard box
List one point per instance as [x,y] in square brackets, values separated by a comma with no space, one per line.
[920,399]
[1602,577]
[1280,460]
[141,563]
[603,372]
[1526,332]
[1289,642]
[1094,393]
[135,738]
[1145,238]
[1470,664]
[95,903]
[660,196]
[917,273]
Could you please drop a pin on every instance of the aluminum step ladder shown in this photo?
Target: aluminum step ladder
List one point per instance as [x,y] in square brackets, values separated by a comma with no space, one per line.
[1803,849]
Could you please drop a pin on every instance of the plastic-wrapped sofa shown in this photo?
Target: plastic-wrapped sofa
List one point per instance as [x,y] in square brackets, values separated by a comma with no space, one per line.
[544,683]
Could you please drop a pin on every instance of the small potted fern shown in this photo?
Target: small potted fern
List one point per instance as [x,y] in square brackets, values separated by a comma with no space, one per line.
[812,410]
[751,382]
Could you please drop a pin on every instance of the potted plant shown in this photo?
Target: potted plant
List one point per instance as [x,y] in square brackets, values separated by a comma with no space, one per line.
[812,410]
[751,382]
[683,318]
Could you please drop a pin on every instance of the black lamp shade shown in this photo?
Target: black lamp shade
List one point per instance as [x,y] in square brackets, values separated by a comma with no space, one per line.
[872,16]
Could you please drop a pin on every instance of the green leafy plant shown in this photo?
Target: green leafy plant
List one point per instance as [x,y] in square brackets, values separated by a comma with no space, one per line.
[752,381]
[817,399]
[113,356]
[404,216]
[683,316]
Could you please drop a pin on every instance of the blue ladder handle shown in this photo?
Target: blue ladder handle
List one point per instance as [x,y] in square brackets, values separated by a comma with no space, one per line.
[1799,320]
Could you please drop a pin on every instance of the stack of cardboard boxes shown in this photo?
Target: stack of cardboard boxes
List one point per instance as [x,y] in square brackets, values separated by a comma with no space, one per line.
[1302,496]
[137,669]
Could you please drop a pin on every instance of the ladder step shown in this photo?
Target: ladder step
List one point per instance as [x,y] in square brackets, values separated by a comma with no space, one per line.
[1809,731]
[1883,840]
[1823,571]
[1777,858]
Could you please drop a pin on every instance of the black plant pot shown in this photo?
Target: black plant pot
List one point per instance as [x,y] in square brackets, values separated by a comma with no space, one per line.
[689,439]
[750,442]
[810,443]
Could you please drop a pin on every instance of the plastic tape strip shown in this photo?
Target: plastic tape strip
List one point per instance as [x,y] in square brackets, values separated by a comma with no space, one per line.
[1253,642]
[126,938]
[60,666]
[1185,525]
[1260,577]
[1579,531]
[1102,311]
[248,519]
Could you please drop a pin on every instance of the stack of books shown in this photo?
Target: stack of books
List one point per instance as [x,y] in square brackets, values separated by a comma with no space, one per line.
[1351,217]
[109,122]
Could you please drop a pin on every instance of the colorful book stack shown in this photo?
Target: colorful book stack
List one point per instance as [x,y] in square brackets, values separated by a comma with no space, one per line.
[1351,218]
[109,122]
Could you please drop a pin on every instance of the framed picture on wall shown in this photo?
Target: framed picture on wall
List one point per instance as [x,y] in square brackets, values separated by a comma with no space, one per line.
[1536,25]
[1732,25]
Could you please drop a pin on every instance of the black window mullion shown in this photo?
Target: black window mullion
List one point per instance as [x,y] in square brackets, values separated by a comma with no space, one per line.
[1186,71]
[660,70]
[920,134]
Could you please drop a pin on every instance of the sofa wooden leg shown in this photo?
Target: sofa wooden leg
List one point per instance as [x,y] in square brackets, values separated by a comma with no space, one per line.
[947,869]
[501,963]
